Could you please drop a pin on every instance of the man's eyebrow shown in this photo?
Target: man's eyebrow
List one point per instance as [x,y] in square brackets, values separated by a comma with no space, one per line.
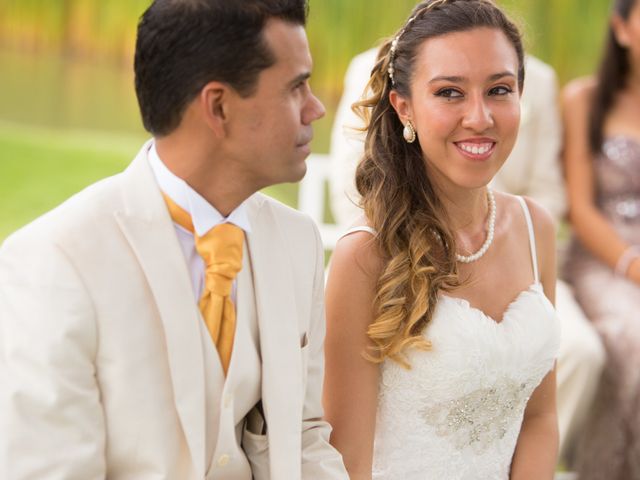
[300,78]
[458,79]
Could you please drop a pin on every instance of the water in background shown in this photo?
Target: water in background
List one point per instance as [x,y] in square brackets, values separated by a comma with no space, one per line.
[67,63]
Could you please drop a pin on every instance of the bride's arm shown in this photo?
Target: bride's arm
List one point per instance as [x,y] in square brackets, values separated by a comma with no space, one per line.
[537,449]
[351,381]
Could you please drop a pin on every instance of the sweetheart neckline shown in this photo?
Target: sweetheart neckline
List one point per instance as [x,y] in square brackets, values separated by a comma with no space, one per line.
[535,287]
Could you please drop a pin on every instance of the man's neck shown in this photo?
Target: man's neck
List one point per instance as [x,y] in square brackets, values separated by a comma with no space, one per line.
[213,178]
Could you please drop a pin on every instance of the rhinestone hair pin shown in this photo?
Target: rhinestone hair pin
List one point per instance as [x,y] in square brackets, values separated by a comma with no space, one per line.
[394,44]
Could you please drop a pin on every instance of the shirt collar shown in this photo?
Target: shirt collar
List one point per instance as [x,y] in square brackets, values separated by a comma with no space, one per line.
[203,215]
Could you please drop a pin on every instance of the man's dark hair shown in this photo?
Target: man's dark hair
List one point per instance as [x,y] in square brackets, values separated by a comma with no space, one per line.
[184,44]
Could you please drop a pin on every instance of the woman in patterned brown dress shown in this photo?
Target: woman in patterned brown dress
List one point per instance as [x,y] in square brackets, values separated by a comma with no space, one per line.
[602,157]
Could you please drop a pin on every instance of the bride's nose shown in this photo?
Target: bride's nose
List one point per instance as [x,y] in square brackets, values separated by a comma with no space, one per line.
[478,115]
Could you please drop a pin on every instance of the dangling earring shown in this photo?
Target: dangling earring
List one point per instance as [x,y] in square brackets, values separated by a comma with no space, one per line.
[409,133]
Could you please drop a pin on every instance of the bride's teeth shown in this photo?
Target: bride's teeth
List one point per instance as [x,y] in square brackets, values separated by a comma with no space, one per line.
[475,149]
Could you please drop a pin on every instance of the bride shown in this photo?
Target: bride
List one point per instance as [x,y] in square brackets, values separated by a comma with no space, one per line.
[441,334]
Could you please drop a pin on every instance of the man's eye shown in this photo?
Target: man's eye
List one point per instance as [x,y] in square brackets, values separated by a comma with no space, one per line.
[449,93]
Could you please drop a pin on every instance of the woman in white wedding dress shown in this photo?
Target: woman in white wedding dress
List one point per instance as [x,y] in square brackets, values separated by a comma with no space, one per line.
[441,333]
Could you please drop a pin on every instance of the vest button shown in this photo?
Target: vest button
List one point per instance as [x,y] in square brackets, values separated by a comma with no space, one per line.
[223,460]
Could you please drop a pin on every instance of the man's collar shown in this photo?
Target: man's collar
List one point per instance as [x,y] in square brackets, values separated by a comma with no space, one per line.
[203,215]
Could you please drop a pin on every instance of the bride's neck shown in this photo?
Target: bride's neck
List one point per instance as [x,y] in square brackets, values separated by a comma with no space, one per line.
[466,209]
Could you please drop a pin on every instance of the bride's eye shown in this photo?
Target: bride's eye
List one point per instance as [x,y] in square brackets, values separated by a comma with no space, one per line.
[500,91]
[449,93]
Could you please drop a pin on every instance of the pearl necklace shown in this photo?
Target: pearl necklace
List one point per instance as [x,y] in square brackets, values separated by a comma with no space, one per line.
[491,224]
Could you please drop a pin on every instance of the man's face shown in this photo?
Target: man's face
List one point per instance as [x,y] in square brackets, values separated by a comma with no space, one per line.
[271,130]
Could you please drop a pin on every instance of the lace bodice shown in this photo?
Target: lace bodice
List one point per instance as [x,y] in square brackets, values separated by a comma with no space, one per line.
[456,414]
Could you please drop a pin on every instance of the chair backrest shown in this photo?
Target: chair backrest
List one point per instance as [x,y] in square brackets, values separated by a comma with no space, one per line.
[312,197]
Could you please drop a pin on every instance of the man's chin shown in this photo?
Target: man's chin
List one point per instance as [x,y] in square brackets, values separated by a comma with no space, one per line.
[293,175]
[297,174]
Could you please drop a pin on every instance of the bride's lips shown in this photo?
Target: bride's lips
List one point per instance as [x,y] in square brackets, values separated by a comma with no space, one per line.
[477,149]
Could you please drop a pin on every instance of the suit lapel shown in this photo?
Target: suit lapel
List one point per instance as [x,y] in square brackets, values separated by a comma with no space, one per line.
[150,232]
[279,339]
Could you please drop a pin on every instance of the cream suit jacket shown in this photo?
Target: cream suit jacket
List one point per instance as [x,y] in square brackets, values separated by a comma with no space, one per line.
[101,359]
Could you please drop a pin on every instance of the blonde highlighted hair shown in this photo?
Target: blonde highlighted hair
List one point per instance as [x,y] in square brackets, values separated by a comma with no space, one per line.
[397,196]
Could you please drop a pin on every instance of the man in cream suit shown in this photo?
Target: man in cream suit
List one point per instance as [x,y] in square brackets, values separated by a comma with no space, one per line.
[533,169]
[121,356]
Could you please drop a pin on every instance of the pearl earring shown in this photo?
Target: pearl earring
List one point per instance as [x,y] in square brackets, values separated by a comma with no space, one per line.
[409,133]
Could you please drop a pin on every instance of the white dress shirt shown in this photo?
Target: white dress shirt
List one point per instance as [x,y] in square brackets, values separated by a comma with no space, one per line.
[203,215]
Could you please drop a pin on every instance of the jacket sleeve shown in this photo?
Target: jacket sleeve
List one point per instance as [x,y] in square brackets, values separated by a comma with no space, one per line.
[51,418]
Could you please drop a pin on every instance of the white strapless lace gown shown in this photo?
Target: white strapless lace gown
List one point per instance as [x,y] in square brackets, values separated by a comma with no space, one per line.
[456,414]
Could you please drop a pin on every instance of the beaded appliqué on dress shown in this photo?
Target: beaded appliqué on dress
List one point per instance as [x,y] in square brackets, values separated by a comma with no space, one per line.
[456,414]
[479,418]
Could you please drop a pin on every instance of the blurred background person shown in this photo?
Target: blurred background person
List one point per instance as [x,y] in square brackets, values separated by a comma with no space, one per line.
[533,169]
[602,155]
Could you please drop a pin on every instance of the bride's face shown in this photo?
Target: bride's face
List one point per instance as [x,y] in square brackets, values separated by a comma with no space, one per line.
[464,105]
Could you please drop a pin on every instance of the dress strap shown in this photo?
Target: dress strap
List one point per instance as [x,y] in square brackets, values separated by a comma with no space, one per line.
[360,228]
[532,237]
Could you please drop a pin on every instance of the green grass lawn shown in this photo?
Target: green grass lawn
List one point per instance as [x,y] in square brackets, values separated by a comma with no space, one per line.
[40,168]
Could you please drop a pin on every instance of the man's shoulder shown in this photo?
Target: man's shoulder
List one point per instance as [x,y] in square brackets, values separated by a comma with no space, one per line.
[280,210]
[293,225]
[73,216]
[81,213]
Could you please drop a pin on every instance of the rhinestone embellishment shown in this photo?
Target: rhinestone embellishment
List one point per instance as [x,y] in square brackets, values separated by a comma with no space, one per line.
[479,418]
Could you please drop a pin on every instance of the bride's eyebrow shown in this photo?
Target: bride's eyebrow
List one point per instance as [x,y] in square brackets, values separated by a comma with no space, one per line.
[447,78]
[460,79]
[498,76]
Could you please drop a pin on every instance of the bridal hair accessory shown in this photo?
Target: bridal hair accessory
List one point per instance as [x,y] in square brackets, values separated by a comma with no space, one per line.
[394,43]
[409,133]
[491,225]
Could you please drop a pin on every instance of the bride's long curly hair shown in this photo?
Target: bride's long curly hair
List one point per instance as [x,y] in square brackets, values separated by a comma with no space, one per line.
[398,198]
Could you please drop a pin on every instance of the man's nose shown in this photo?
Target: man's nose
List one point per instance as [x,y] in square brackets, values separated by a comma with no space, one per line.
[314,110]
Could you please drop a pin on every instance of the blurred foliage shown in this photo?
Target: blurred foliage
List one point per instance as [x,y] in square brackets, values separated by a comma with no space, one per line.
[565,33]
[67,68]
[73,27]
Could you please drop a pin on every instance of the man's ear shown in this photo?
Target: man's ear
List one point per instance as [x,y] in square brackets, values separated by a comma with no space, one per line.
[214,103]
[401,105]
[619,27]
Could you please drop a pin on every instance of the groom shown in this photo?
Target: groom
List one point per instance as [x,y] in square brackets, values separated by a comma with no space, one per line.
[168,322]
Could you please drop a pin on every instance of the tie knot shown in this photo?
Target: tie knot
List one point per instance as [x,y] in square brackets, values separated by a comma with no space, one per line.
[221,250]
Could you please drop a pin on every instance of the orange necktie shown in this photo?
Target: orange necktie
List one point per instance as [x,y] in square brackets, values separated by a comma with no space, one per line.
[221,250]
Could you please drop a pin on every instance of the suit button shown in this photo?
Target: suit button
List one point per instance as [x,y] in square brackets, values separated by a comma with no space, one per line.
[223,460]
[228,399]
